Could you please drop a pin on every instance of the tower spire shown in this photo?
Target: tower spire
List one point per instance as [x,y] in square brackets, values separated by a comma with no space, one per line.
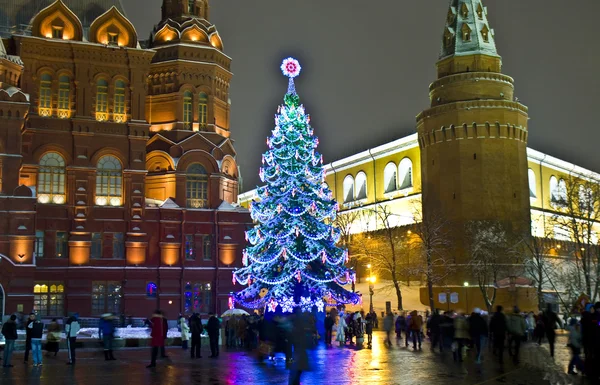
[467,31]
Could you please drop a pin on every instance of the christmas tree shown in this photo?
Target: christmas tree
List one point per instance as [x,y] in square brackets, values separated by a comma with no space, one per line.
[293,260]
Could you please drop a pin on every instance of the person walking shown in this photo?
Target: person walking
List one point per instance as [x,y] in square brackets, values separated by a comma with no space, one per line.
[30,319]
[341,328]
[158,336]
[369,329]
[433,326]
[388,324]
[498,332]
[185,332]
[36,328]
[530,321]
[213,327]
[9,331]
[300,337]
[106,333]
[53,338]
[516,328]
[400,326]
[478,330]
[461,336]
[575,344]
[196,330]
[329,322]
[415,326]
[71,329]
[551,320]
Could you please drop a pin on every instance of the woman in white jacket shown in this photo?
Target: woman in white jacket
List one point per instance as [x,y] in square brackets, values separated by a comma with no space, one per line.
[341,336]
[185,332]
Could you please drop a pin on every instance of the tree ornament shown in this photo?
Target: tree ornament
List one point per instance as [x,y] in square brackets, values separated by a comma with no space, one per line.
[272,305]
[298,276]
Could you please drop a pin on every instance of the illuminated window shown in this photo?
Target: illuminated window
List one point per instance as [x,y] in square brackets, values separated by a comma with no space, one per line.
[118,245]
[532,185]
[187,109]
[49,298]
[348,189]
[113,38]
[485,34]
[195,243]
[64,97]
[51,179]
[196,186]
[119,111]
[38,247]
[202,110]
[198,297]
[62,244]
[466,32]
[405,174]
[109,180]
[390,176]
[45,108]
[190,247]
[102,100]
[96,249]
[57,32]
[361,186]
[151,289]
[106,297]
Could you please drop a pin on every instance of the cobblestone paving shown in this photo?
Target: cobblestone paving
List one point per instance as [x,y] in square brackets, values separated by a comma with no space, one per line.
[337,366]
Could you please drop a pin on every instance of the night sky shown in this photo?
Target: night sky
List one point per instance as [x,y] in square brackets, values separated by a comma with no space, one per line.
[367,66]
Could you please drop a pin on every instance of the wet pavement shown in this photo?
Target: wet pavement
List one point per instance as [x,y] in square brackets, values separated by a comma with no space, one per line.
[336,366]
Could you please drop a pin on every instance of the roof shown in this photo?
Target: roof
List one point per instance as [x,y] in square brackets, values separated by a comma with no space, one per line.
[467,16]
[17,14]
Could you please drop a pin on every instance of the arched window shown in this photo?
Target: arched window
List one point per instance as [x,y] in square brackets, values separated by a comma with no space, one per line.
[532,184]
[64,97]
[348,189]
[187,109]
[51,179]
[553,189]
[196,186]
[202,110]
[119,115]
[45,108]
[390,175]
[562,191]
[151,289]
[102,100]
[405,174]
[361,185]
[109,182]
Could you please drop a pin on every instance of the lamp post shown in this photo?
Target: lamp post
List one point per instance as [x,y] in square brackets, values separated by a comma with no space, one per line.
[372,281]
[448,291]
[466,285]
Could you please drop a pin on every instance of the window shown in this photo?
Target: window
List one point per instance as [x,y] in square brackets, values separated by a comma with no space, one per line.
[102,100]
[202,110]
[118,245]
[49,298]
[586,200]
[466,32]
[553,189]
[206,248]
[64,97]
[198,297]
[190,247]
[38,247]
[390,174]
[405,174]
[57,32]
[485,34]
[191,5]
[113,38]
[562,191]
[196,186]
[348,189]
[479,11]
[51,179]
[109,180]
[119,115]
[96,249]
[45,108]
[532,185]
[106,297]
[187,109]
[361,186]
[464,10]
[62,244]
[151,289]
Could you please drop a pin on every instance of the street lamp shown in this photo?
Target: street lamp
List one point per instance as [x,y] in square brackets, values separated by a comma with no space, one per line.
[372,279]
[466,285]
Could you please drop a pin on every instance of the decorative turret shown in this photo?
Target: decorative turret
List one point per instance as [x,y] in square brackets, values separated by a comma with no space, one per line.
[178,9]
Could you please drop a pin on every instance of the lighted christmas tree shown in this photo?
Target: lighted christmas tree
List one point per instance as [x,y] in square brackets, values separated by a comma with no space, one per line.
[293,260]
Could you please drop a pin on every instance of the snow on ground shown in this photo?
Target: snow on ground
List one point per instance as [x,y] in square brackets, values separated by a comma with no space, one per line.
[128,333]
[410,296]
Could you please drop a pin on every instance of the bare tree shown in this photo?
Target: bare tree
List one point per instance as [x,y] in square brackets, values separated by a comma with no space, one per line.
[345,222]
[577,221]
[433,234]
[537,265]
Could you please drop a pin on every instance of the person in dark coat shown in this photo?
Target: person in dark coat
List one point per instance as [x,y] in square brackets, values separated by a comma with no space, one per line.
[106,333]
[71,329]
[196,330]
[302,331]
[433,326]
[478,330]
[30,319]
[329,322]
[498,332]
[213,327]
[9,331]
[551,320]
[158,336]
[400,326]
[369,329]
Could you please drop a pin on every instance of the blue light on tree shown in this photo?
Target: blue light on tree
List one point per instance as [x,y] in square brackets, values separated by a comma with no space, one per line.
[293,260]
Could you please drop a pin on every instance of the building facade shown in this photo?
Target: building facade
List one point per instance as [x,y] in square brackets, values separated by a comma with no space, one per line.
[467,162]
[118,174]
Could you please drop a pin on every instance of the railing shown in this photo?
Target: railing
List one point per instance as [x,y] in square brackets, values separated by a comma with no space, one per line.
[102,116]
[197,203]
[108,201]
[45,111]
[63,114]
[58,199]
[120,118]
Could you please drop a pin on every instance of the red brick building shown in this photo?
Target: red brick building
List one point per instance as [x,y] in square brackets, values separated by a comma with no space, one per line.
[118,175]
